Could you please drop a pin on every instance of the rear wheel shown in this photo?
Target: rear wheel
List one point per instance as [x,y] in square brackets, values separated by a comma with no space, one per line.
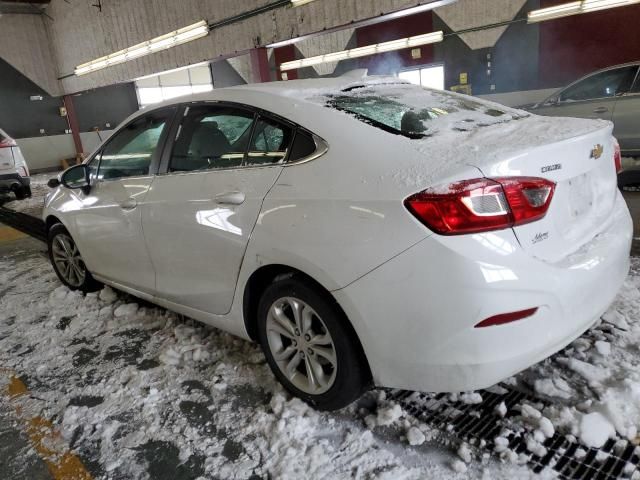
[309,345]
[67,261]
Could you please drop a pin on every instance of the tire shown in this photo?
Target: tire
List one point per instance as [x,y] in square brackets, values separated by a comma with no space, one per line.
[332,386]
[75,275]
[22,193]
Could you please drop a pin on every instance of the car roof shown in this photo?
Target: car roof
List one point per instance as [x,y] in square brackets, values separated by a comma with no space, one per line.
[298,89]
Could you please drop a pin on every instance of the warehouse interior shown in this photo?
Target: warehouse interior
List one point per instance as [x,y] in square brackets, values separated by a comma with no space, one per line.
[109,384]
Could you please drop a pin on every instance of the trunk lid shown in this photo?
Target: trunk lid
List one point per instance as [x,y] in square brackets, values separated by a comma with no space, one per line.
[582,166]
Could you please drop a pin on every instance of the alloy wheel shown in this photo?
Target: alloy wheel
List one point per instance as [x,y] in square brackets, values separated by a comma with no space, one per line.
[301,345]
[67,259]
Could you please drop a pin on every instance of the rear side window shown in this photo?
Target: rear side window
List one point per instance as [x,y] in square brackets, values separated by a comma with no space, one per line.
[303,146]
[212,137]
[270,142]
[601,85]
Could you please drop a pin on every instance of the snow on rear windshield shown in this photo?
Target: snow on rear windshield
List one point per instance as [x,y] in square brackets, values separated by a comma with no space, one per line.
[417,112]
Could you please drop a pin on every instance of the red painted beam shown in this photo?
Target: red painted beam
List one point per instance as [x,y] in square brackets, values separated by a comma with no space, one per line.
[260,65]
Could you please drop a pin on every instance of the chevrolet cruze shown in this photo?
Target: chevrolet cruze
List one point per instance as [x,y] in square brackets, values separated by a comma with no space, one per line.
[363,231]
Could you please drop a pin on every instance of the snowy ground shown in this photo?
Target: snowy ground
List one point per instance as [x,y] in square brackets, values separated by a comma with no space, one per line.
[34,204]
[139,393]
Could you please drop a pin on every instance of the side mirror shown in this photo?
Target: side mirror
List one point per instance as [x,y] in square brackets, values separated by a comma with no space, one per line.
[77,177]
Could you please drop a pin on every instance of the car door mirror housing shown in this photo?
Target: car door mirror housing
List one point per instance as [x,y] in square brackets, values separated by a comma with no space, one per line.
[77,177]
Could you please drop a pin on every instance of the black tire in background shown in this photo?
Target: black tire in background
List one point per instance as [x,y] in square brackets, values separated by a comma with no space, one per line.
[22,193]
[352,376]
[59,239]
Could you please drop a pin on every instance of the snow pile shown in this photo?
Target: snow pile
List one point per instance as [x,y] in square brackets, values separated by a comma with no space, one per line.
[595,430]
[121,379]
[594,383]
[34,204]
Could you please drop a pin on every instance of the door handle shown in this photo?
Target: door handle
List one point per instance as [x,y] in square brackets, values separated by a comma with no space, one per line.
[129,204]
[600,110]
[230,198]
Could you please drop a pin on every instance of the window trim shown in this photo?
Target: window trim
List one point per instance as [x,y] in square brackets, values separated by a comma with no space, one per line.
[157,155]
[598,99]
[322,147]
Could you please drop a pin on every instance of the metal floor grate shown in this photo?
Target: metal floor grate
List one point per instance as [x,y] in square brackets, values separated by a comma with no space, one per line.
[478,425]
[28,224]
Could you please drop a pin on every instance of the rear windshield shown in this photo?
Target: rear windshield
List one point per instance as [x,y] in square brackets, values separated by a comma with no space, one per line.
[418,112]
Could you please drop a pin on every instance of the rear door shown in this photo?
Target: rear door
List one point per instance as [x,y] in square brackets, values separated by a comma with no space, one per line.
[592,97]
[626,119]
[200,213]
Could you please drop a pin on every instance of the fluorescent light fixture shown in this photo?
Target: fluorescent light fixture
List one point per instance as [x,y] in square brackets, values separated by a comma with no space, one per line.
[365,51]
[171,39]
[297,3]
[575,8]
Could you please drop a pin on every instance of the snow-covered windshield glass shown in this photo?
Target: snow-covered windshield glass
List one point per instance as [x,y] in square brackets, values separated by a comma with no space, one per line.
[418,112]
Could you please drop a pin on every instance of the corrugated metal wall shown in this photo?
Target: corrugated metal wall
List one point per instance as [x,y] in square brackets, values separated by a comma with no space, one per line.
[25,45]
[80,33]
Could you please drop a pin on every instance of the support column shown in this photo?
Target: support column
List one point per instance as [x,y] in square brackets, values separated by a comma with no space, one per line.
[72,120]
[260,65]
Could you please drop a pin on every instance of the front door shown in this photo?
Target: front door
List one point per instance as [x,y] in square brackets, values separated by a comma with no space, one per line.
[626,120]
[199,216]
[108,224]
[593,97]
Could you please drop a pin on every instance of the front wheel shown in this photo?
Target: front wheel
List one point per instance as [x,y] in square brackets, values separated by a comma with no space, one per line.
[310,346]
[67,261]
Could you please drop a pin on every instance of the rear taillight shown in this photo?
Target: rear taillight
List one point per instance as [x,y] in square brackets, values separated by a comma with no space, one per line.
[8,142]
[23,171]
[482,204]
[617,156]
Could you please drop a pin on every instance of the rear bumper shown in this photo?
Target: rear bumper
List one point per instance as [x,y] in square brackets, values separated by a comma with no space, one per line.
[10,180]
[415,315]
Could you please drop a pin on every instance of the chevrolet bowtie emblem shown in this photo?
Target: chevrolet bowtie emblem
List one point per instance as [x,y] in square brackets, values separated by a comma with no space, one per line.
[597,151]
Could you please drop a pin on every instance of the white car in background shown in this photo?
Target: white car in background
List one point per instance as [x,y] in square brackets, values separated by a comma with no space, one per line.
[365,232]
[14,173]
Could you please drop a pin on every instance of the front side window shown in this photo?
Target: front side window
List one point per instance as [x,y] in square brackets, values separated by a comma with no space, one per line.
[93,167]
[270,142]
[130,152]
[636,85]
[601,85]
[212,137]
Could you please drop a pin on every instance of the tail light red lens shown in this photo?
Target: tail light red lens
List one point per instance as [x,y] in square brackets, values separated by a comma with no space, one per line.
[617,156]
[7,142]
[23,171]
[482,204]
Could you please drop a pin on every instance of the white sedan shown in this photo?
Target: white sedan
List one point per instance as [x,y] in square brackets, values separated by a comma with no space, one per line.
[364,231]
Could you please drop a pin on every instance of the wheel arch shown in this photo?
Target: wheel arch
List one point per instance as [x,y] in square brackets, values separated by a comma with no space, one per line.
[261,278]
[50,221]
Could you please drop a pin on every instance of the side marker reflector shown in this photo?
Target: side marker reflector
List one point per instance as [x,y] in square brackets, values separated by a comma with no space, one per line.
[506,318]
